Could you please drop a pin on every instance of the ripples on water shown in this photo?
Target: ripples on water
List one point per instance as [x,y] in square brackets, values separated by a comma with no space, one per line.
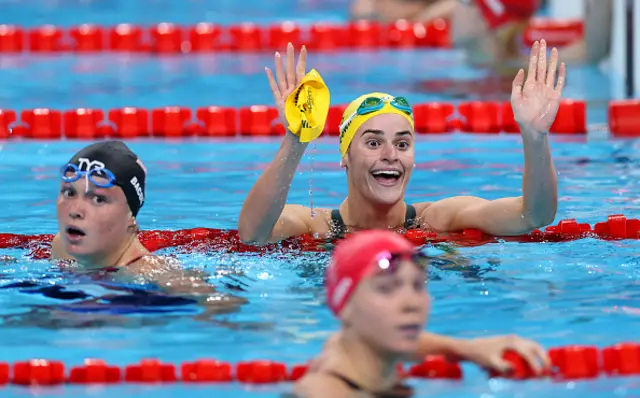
[577,292]
[581,292]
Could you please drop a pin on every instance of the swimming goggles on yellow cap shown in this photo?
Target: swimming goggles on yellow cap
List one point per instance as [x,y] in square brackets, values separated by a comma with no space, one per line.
[374,104]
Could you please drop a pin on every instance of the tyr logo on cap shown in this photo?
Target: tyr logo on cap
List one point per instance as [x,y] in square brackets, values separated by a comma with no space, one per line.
[88,164]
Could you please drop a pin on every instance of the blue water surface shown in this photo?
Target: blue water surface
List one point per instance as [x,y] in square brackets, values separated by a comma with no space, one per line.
[580,292]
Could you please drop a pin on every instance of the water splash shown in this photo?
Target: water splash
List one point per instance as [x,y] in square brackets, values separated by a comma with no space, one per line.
[312,159]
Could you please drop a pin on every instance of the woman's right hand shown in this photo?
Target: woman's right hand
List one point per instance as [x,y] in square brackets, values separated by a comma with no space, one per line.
[287,77]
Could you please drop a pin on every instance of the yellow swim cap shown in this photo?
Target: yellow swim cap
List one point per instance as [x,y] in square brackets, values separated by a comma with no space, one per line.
[377,104]
[307,107]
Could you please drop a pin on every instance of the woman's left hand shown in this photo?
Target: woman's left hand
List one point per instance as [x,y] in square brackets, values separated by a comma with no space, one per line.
[535,102]
[488,353]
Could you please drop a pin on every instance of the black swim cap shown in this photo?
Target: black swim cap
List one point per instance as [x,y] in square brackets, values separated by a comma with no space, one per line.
[122,162]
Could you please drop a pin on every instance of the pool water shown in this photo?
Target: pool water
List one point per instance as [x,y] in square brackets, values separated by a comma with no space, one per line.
[579,292]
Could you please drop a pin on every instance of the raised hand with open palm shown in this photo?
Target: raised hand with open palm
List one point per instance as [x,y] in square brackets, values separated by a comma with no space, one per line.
[535,102]
[287,77]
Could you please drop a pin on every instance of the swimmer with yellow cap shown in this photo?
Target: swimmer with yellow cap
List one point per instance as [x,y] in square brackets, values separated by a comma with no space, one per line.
[377,147]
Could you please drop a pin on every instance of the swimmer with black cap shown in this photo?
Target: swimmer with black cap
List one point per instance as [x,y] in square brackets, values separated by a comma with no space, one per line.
[377,146]
[376,287]
[101,192]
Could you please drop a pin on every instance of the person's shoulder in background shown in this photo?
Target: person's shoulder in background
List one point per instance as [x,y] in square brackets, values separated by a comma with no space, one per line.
[595,47]
[362,9]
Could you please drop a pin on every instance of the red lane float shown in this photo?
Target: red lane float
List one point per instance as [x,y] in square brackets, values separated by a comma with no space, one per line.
[170,38]
[480,117]
[572,362]
[434,118]
[263,120]
[616,227]
[624,117]
[571,118]
[7,119]
[203,37]
[12,39]
[556,32]
[325,36]
[125,37]
[87,38]
[47,38]
[94,371]
[334,117]
[492,117]
[245,37]
[280,35]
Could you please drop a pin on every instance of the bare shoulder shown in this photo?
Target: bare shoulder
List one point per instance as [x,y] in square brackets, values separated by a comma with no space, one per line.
[321,218]
[57,251]
[452,201]
[455,202]
[162,268]
[318,385]
[317,220]
[152,266]
[421,206]
[437,215]
[166,267]
[421,215]
[155,264]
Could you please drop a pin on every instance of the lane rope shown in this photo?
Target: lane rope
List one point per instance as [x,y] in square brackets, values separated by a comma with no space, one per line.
[480,117]
[572,362]
[616,227]
[171,38]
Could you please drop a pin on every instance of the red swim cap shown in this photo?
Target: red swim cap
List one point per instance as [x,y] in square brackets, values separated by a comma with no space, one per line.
[354,259]
[499,12]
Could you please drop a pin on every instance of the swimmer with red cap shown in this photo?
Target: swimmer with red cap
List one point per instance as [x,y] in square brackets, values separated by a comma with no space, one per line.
[377,148]
[376,286]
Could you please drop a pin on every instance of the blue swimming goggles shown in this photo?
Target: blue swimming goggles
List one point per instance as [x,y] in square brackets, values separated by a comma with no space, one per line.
[373,104]
[100,177]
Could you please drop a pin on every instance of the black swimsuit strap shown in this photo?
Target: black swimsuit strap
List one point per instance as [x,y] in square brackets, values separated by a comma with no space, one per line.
[410,217]
[339,229]
[398,391]
[352,384]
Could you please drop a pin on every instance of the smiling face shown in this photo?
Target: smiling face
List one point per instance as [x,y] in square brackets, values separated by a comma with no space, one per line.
[92,223]
[380,158]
